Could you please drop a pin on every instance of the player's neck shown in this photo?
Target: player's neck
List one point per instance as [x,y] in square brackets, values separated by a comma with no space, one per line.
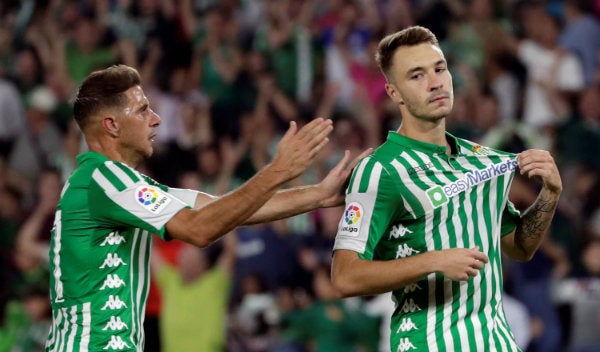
[428,132]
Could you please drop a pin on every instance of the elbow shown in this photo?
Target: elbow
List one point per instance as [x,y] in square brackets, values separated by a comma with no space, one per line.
[197,238]
[343,286]
[524,256]
[520,254]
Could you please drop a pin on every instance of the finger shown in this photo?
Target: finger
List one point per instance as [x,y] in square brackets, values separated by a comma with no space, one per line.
[289,133]
[313,127]
[318,148]
[365,153]
[477,264]
[480,256]
[317,136]
[472,272]
[341,165]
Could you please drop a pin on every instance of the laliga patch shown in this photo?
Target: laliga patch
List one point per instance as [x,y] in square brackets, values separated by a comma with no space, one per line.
[350,224]
[151,199]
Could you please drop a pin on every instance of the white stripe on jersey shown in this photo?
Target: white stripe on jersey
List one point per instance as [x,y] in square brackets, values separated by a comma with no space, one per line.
[71,341]
[134,247]
[86,323]
[358,176]
[57,272]
[121,175]
[53,330]
[106,185]
[464,285]
[64,330]
[143,277]
[374,179]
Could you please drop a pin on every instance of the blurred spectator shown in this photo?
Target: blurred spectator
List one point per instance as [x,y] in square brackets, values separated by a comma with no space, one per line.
[554,74]
[34,149]
[195,296]
[253,319]
[581,36]
[12,116]
[33,238]
[579,138]
[27,321]
[330,324]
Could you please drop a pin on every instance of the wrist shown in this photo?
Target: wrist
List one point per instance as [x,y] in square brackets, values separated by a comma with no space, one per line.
[276,173]
[433,262]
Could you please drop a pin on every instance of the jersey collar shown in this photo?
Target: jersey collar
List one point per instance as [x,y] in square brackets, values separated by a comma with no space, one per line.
[81,158]
[425,147]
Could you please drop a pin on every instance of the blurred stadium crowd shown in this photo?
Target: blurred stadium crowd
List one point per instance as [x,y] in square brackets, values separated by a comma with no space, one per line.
[226,77]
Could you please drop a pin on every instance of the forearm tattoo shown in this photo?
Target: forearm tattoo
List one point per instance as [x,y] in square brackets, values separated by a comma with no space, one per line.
[536,219]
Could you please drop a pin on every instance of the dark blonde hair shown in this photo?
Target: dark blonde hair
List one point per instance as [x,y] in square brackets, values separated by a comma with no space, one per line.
[407,37]
[103,89]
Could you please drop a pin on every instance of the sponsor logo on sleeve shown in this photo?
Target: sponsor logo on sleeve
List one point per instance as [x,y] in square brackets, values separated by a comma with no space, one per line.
[351,220]
[152,199]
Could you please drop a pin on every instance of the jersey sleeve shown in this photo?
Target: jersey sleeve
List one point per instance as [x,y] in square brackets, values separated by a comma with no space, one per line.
[120,196]
[187,196]
[510,216]
[370,208]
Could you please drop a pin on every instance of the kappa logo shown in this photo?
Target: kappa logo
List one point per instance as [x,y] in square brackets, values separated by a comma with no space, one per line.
[113,303]
[112,239]
[111,261]
[152,199]
[115,324]
[412,288]
[404,251]
[112,281]
[399,231]
[407,325]
[116,343]
[405,345]
[351,220]
[410,306]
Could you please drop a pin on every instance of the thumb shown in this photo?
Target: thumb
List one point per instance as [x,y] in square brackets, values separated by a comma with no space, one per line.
[290,132]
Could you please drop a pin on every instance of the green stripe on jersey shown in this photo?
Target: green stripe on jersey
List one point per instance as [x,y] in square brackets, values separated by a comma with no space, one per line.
[410,197]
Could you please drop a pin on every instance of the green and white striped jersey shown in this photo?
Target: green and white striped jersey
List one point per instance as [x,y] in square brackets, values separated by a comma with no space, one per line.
[410,197]
[100,253]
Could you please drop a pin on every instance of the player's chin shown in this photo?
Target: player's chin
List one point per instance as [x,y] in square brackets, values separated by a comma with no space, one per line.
[148,151]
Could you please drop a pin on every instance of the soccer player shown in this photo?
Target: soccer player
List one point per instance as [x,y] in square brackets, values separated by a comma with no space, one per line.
[427,214]
[101,239]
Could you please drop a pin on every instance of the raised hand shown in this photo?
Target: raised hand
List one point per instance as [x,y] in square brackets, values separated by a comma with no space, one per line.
[539,163]
[334,184]
[298,148]
[460,264]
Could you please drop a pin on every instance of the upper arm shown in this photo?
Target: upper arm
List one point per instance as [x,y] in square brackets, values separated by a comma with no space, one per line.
[343,259]
[119,196]
[510,219]
[371,204]
[508,245]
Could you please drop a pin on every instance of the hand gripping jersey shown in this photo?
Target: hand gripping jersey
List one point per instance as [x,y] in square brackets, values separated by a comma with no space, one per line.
[410,197]
[100,253]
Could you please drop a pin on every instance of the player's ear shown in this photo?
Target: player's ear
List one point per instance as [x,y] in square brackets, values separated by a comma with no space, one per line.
[110,125]
[393,93]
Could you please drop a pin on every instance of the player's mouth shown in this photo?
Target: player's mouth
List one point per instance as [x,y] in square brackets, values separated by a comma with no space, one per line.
[438,98]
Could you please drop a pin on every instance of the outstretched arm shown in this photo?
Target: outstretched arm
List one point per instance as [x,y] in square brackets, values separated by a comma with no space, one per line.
[535,221]
[328,193]
[297,149]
